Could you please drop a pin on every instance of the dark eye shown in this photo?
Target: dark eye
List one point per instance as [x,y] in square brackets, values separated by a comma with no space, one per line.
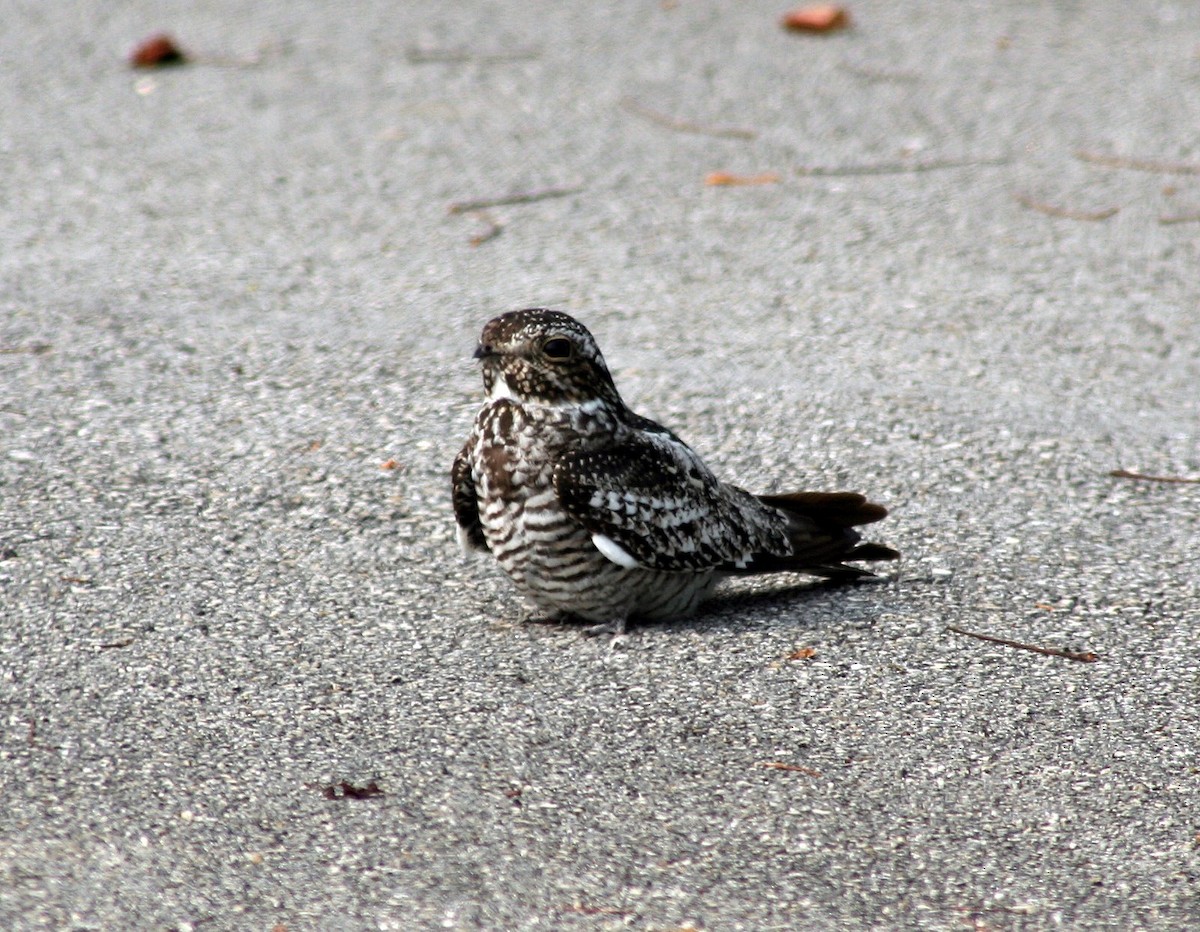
[557,348]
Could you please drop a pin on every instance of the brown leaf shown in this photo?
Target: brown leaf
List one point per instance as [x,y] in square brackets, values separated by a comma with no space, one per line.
[727,179]
[804,653]
[821,17]
[389,464]
[157,51]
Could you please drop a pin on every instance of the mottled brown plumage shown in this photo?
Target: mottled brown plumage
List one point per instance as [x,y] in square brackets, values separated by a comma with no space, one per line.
[599,513]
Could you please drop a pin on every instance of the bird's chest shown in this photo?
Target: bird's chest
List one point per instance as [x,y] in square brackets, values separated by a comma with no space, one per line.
[516,450]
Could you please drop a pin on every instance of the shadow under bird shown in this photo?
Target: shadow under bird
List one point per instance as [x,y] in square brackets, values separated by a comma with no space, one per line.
[598,513]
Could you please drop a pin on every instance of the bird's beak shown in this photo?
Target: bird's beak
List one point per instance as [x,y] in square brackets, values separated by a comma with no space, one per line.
[484,350]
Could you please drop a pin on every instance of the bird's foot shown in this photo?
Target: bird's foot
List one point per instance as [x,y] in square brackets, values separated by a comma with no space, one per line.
[534,617]
[615,628]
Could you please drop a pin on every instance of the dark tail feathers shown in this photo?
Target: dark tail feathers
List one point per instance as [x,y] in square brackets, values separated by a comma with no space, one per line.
[821,527]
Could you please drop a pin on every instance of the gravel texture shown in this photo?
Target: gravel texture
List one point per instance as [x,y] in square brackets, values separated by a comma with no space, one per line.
[231,291]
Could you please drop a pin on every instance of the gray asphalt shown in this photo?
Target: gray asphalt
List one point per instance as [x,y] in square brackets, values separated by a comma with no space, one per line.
[230,292]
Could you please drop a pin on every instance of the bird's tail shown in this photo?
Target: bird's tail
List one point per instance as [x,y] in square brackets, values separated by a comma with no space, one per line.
[821,528]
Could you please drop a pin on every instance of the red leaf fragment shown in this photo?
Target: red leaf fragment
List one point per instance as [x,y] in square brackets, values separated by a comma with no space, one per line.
[820,17]
[157,51]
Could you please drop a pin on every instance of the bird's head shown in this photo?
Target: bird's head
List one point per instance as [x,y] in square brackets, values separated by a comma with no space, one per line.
[544,357]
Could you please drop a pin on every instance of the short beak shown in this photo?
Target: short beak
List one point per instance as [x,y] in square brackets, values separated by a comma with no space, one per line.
[482,350]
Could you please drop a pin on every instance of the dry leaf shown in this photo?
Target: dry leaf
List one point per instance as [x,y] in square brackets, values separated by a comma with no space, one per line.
[822,17]
[390,464]
[804,653]
[156,52]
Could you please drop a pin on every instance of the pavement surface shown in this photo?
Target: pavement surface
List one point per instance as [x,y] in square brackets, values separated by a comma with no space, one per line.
[230,292]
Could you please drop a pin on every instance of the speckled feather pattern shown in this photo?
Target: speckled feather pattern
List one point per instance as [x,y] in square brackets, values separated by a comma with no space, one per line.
[596,512]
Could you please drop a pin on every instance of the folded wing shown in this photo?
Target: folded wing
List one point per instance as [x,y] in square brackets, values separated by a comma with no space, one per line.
[649,501]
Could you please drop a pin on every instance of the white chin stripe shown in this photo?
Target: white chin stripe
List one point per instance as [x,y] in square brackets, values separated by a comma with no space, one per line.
[614,551]
[501,390]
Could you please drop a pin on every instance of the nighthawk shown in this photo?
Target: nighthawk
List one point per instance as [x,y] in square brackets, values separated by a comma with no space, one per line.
[601,514]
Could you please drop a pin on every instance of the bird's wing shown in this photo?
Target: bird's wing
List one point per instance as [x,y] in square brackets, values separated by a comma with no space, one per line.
[466,505]
[649,501]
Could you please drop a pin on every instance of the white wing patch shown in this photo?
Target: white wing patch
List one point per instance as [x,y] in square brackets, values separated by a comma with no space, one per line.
[464,540]
[614,551]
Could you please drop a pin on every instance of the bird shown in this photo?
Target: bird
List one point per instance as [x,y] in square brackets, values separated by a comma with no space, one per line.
[601,515]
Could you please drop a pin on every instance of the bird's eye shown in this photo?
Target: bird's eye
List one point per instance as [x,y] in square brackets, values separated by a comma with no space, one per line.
[557,348]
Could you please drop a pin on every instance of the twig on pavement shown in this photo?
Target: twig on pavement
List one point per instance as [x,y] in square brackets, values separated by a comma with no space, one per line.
[1140,165]
[895,168]
[1079,656]
[685,126]
[520,197]
[422,56]
[794,768]
[1127,474]
[1168,219]
[1066,213]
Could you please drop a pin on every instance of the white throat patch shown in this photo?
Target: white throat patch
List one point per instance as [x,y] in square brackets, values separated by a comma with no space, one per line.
[500,389]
